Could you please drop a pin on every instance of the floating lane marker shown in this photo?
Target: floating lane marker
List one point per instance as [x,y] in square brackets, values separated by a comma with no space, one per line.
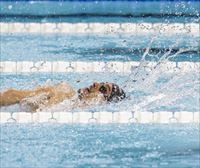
[103,117]
[82,67]
[130,28]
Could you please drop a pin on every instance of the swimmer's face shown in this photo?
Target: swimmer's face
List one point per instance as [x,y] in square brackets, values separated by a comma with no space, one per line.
[94,90]
[83,93]
[89,92]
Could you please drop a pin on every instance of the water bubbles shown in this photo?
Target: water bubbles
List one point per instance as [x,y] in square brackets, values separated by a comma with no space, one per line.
[98,142]
[10,7]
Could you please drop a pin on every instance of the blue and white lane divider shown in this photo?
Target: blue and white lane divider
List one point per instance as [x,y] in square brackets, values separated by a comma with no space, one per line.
[102,117]
[111,66]
[129,28]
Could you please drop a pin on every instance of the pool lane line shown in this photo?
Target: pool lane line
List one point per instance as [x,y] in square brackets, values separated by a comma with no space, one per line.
[128,67]
[105,28]
[102,117]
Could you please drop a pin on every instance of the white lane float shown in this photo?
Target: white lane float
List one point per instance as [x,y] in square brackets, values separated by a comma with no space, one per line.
[129,28]
[101,117]
[77,66]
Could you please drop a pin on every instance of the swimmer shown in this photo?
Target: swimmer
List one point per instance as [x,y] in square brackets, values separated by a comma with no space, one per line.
[47,96]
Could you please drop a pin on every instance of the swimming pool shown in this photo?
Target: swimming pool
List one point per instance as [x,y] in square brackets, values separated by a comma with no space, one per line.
[58,145]
[165,11]
[116,58]
[97,145]
[96,47]
[150,49]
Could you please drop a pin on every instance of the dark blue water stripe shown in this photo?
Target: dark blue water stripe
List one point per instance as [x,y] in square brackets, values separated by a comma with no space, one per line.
[125,15]
[102,0]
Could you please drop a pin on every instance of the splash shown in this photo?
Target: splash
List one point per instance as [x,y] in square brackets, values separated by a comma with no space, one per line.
[178,90]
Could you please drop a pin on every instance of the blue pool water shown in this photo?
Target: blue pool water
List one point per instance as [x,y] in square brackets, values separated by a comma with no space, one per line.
[53,145]
[181,90]
[100,11]
[83,146]
[95,47]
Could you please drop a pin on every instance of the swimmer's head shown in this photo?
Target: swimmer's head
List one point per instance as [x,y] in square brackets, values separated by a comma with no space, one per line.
[110,91]
[89,92]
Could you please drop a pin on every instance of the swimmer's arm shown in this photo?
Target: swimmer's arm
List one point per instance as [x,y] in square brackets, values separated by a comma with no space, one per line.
[13,96]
